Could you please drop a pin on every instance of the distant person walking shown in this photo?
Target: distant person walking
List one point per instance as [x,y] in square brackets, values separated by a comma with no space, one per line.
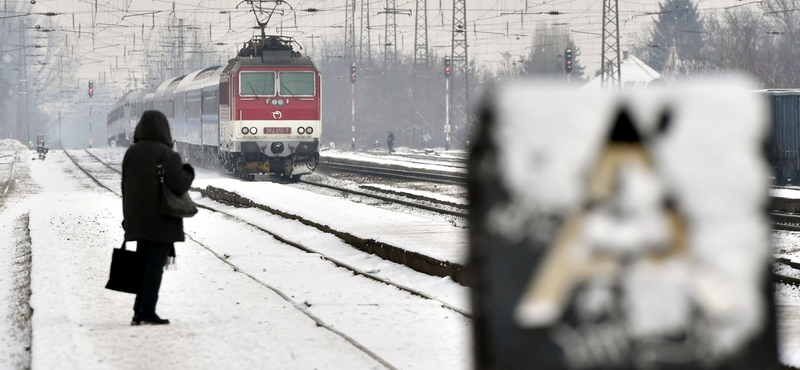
[390,142]
[155,234]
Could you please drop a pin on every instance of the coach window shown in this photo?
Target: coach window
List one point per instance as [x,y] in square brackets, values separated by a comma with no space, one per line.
[297,83]
[257,84]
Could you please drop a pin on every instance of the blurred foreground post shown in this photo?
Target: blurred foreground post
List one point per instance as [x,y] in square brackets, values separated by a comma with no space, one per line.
[621,231]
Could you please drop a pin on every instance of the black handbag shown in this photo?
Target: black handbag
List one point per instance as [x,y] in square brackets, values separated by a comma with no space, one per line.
[172,205]
[127,271]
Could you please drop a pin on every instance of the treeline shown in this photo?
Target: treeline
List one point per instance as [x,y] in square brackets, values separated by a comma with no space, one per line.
[757,38]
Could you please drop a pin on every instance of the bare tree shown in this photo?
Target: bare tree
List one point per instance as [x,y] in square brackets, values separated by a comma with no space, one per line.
[547,54]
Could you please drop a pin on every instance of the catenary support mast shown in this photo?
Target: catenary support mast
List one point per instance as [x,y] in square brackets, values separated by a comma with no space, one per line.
[350,29]
[421,34]
[390,35]
[611,76]
[364,47]
[459,84]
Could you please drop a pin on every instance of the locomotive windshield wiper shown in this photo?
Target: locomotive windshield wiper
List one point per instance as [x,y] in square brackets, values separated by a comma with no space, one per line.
[287,89]
[252,89]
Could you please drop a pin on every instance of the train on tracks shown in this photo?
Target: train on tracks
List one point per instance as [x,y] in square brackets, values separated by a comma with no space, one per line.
[259,114]
[783,146]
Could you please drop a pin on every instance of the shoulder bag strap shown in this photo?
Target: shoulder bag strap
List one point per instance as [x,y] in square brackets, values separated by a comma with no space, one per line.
[123,245]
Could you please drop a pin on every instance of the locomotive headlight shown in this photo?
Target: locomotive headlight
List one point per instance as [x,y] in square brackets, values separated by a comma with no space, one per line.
[309,130]
[245,130]
[253,130]
[301,130]
[280,101]
[274,102]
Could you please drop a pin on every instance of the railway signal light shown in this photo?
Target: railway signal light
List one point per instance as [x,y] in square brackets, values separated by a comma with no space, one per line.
[353,73]
[446,67]
[91,88]
[568,60]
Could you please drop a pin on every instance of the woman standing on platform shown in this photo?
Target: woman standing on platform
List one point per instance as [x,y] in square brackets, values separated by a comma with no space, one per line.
[155,234]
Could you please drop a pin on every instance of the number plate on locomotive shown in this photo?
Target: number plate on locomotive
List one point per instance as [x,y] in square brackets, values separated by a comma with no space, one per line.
[277,130]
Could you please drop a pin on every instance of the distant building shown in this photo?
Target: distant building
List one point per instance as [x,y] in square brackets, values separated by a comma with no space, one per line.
[635,74]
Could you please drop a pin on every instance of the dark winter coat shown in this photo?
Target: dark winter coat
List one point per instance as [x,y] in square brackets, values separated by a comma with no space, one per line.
[141,192]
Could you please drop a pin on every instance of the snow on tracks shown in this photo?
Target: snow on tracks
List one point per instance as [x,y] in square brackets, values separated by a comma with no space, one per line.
[384,320]
[221,319]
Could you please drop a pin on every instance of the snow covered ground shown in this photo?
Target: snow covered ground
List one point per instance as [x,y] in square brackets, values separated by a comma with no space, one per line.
[363,158]
[221,317]
[787,193]
[787,298]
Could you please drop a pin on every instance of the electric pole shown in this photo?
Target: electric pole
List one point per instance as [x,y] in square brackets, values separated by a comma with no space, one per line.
[364,43]
[447,103]
[24,84]
[91,93]
[390,35]
[459,86]
[611,76]
[421,34]
[181,51]
[350,29]
[353,103]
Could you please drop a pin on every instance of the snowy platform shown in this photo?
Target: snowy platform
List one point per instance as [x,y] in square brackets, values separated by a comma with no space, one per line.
[57,231]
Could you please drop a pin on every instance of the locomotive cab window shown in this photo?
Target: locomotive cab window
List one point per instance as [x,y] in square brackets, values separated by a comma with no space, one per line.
[297,83]
[257,83]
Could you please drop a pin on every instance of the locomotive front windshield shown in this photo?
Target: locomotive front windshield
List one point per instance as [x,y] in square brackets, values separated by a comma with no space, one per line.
[257,84]
[297,83]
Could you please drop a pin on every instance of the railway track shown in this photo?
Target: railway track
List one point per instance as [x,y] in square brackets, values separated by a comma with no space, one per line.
[298,305]
[395,174]
[440,210]
[10,178]
[331,321]
[282,238]
[455,161]
[785,221]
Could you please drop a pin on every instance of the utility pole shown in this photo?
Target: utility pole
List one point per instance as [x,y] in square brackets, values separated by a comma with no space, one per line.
[21,61]
[60,91]
[24,83]
[390,35]
[447,103]
[420,63]
[353,103]
[421,34]
[60,145]
[350,29]
[611,76]
[181,52]
[459,90]
[91,93]
[364,44]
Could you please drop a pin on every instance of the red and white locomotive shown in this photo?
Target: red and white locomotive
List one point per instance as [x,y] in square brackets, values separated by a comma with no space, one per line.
[259,114]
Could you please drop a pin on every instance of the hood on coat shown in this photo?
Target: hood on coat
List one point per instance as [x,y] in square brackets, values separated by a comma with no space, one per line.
[153,126]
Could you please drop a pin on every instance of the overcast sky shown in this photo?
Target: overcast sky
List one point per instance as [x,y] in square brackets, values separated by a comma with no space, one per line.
[495,26]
